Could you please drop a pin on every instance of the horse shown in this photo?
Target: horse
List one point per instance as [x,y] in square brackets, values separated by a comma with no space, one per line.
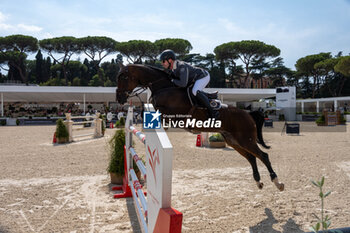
[241,130]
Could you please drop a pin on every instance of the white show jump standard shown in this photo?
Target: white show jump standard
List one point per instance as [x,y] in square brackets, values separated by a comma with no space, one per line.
[155,213]
[96,125]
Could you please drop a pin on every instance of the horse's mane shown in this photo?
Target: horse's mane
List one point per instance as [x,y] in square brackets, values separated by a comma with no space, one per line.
[160,71]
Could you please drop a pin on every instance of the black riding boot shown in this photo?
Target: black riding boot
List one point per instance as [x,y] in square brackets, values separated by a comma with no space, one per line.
[203,99]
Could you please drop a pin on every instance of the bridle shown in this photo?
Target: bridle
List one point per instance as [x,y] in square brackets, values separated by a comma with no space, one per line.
[137,91]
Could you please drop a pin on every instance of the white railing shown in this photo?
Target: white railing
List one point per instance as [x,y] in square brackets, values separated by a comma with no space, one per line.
[96,125]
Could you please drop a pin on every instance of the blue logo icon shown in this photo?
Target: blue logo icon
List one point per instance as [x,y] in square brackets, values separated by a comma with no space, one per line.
[151,120]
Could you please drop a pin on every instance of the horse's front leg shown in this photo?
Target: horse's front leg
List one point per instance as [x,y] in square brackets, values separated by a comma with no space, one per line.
[252,160]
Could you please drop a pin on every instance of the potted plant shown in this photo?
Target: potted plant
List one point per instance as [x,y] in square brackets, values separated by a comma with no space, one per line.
[281,117]
[217,141]
[122,121]
[3,122]
[116,161]
[321,121]
[62,134]
[342,120]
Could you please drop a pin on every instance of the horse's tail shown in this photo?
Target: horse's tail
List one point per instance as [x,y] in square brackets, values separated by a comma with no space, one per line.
[259,121]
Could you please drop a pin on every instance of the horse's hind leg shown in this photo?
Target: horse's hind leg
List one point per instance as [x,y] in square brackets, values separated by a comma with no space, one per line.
[264,157]
[252,161]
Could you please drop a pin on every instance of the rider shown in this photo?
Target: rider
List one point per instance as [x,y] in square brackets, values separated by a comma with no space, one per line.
[188,74]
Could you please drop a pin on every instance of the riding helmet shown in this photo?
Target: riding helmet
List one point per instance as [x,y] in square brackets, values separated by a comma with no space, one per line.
[167,54]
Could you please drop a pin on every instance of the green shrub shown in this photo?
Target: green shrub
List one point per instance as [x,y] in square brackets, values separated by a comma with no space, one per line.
[321,120]
[3,122]
[122,121]
[117,124]
[216,138]
[17,121]
[61,130]
[116,162]
[281,117]
[342,120]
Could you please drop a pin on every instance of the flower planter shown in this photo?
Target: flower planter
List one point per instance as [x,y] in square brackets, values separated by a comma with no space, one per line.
[62,140]
[217,144]
[116,178]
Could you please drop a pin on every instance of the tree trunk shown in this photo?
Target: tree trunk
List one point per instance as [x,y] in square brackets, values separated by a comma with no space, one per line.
[21,73]
[341,86]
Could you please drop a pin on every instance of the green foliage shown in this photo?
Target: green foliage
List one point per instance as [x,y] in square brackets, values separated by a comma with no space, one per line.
[116,162]
[109,83]
[122,121]
[3,122]
[216,138]
[322,221]
[246,50]
[342,120]
[17,121]
[317,75]
[61,130]
[252,53]
[96,81]
[64,46]
[117,124]
[281,117]
[54,82]
[13,51]
[21,43]
[311,113]
[306,66]
[76,81]
[136,50]
[321,120]
[97,47]
[343,66]
[179,46]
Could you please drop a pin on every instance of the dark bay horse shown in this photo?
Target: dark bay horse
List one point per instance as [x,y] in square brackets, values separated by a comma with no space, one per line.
[240,129]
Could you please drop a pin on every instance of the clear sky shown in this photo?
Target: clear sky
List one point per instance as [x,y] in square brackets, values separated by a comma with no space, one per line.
[298,28]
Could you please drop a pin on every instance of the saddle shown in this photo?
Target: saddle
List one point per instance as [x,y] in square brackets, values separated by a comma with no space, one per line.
[215,103]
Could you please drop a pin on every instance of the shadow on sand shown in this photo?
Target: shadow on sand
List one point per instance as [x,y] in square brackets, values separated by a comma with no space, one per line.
[267,224]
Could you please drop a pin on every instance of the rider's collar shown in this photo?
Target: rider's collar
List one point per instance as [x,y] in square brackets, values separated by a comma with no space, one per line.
[175,64]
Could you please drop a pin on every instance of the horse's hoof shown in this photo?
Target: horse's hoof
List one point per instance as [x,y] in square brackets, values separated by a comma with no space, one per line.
[281,187]
[260,185]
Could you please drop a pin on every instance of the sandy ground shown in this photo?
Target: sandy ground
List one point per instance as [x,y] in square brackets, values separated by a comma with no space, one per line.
[65,188]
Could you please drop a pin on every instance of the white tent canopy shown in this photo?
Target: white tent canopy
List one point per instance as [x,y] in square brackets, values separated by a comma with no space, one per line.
[57,94]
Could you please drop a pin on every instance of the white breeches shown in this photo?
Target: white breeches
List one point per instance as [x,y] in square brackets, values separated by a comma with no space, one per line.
[200,84]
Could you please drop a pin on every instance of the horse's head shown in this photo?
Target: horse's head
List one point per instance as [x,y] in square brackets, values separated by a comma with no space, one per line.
[132,76]
[126,84]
